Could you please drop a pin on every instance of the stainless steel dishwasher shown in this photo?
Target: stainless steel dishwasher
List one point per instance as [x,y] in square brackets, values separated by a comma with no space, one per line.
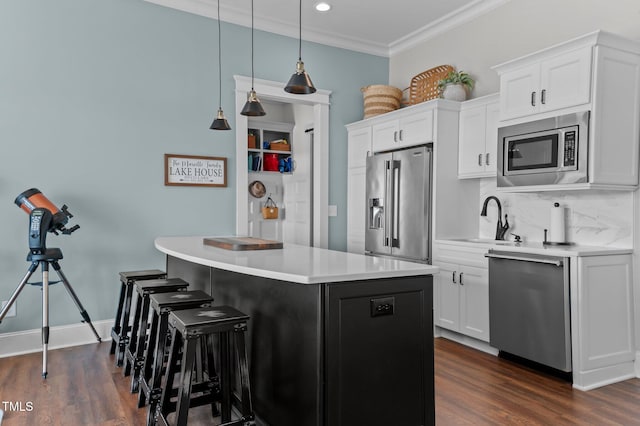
[529,311]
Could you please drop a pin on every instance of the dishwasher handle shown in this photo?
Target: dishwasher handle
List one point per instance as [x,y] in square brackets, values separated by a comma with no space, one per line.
[556,262]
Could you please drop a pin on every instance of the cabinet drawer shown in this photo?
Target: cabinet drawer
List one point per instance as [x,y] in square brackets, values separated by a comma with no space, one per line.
[463,255]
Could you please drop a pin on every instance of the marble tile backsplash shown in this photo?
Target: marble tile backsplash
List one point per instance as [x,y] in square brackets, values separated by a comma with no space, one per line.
[599,218]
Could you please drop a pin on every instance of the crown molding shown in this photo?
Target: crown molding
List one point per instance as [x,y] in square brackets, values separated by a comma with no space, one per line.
[238,16]
[448,22]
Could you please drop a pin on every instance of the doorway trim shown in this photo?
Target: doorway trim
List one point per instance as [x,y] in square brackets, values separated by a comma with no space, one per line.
[274,91]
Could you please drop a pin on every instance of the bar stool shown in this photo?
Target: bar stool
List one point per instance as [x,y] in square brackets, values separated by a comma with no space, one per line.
[151,373]
[140,320]
[120,329]
[187,327]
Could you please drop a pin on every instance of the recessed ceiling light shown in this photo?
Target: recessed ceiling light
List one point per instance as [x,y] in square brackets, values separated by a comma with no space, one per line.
[323,6]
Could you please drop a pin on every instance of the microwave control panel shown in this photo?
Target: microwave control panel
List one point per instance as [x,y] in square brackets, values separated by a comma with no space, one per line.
[570,148]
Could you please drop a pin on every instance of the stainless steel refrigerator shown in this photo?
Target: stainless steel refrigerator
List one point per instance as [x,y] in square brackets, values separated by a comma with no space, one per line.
[399,204]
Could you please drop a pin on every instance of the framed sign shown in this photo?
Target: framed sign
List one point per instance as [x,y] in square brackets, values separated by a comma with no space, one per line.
[195,170]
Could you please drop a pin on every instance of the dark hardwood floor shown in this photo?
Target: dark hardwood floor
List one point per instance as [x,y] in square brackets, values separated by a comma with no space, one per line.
[472,388]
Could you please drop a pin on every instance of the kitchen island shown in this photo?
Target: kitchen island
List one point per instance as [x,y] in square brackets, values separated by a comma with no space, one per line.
[335,338]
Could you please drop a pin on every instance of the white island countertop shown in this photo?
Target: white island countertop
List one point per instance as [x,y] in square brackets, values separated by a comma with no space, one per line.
[294,263]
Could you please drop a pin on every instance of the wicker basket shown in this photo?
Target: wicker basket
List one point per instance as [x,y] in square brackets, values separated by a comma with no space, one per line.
[379,99]
[424,86]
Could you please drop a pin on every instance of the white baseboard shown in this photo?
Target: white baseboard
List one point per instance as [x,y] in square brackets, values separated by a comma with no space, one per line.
[28,341]
[466,340]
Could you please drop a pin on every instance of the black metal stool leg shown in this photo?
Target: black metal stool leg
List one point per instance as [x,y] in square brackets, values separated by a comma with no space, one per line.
[138,352]
[123,341]
[115,330]
[186,375]
[133,339]
[243,367]
[164,407]
[225,378]
[148,362]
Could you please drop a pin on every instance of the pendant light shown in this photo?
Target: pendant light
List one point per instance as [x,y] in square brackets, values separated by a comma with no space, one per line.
[252,108]
[300,82]
[220,122]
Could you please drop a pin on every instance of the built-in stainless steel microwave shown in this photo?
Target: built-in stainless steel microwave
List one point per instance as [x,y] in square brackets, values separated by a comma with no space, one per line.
[544,152]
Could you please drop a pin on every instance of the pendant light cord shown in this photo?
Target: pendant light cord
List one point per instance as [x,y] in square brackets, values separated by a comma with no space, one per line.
[252,45]
[300,34]
[219,58]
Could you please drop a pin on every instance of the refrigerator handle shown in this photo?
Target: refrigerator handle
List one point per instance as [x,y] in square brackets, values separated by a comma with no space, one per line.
[387,186]
[395,214]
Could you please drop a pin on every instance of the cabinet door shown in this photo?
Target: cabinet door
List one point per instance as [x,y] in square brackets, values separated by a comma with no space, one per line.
[471,149]
[377,357]
[359,145]
[605,312]
[518,92]
[416,129]
[565,80]
[445,297]
[356,209]
[491,140]
[385,136]
[474,302]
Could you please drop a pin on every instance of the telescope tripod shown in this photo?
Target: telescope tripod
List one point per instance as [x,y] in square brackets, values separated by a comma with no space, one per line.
[49,257]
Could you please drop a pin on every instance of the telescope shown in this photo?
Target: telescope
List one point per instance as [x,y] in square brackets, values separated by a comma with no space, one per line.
[44,217]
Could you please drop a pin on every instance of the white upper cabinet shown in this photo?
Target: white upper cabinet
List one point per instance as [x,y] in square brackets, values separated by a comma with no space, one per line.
[404,131]
[478,137]
[561,81]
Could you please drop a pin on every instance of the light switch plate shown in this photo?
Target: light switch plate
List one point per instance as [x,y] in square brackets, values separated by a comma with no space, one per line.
[333,211]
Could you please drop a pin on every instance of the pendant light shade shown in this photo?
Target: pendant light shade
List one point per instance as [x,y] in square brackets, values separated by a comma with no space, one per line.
[220,122]
[253,107]
[300,82]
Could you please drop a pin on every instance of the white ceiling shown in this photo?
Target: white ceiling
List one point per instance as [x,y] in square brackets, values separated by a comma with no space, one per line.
[371,26]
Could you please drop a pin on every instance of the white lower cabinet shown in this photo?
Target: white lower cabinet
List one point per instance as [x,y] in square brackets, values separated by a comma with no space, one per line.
[461,290]
[602,323]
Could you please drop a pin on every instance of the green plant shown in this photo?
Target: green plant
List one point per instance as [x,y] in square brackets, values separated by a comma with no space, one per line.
[456,77]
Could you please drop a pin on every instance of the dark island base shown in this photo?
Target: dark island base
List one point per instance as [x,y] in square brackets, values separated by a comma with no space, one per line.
[339,354]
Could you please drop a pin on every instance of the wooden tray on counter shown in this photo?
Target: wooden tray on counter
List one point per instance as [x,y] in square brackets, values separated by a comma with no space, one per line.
[242,243]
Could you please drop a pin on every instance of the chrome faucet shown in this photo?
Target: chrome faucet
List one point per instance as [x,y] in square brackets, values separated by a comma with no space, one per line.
[500,228]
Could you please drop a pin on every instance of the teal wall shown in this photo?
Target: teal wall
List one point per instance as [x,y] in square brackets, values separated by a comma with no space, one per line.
[93,93]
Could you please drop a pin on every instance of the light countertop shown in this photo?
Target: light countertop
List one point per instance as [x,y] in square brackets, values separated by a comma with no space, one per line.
[538,247]
[294,263]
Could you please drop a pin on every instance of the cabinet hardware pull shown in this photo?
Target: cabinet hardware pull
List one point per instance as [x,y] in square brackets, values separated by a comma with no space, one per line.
[486,161]
[543,96]
[400,135]
[479,159]
[460,276]
[395,136]
[453,277]
[533,98]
